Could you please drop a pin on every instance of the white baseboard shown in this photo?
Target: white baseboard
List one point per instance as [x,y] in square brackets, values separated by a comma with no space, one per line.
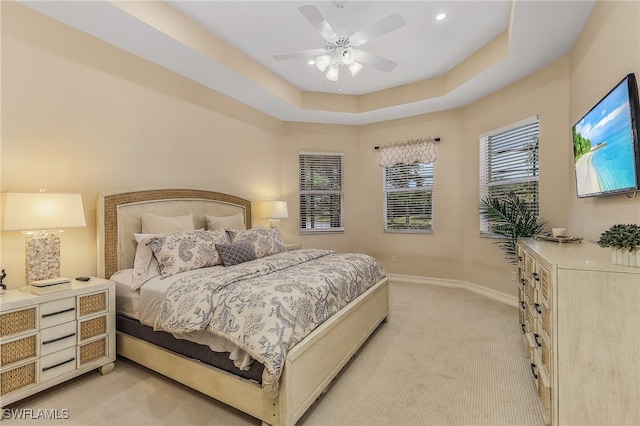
[475,288]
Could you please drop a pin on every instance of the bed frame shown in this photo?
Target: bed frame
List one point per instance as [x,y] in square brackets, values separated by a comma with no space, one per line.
[310,365]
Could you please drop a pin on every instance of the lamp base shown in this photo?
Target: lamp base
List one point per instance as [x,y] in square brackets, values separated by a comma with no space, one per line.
[274,223]
[42,256]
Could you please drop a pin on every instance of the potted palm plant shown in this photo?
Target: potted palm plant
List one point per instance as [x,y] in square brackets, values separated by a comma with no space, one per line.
[510,218]
[624,241]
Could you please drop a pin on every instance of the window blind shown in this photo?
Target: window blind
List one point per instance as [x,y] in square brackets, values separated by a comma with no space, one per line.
[509,161]
[321,192]
[408,197]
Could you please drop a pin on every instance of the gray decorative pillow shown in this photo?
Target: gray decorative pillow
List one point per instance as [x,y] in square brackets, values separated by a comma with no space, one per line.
[266,241]
[236,252]
[187,250]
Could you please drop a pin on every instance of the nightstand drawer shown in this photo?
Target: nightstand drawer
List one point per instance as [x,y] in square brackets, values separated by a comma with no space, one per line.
[57,363]
[19,377]
[17,322]
[92,304]
[57,312]
[92,351]
[18,350]
[90,328]
[56,338]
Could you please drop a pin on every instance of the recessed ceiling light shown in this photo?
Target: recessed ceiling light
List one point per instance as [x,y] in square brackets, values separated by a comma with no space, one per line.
[311,62]
[441,16]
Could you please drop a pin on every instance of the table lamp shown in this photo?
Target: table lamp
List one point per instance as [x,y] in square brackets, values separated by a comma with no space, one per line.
[274,210]
[41,217]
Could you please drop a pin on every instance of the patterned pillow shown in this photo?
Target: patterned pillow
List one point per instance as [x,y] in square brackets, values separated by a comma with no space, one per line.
[187,250]
[266,241]
[237,252]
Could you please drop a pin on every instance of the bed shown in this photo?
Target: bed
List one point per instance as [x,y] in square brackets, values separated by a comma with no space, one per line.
[301,372]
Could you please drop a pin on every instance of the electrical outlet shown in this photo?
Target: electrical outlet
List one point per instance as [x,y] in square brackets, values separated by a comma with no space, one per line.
[393,258]
[514,276]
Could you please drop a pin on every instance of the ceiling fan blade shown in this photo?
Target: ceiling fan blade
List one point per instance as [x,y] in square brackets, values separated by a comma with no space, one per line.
[300,55]
[313,15]
[375,61]
[377,29]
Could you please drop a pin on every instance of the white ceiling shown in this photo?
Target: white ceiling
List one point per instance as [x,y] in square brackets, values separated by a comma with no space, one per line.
[540,33]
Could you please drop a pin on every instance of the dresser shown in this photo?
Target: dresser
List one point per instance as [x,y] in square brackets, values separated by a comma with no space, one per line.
[48,339]
[580,321]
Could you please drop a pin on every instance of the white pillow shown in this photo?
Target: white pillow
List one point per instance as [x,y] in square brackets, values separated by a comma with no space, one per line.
[152,224]
[145,265]
[235,221]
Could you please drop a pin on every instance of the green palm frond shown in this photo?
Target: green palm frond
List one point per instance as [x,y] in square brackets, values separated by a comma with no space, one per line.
[510,217]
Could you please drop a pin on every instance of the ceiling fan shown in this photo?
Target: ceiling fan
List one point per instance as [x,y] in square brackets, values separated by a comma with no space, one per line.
[343,49]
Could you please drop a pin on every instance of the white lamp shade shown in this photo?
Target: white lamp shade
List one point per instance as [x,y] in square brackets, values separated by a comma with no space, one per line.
[322,62]
[332,74]
[355,68]
[42,210]
[275,209]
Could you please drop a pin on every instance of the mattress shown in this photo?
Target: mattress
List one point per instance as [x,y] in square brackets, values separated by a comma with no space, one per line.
[142,305]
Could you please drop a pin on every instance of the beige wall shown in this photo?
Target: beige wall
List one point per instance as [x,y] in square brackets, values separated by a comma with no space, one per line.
[80,115]
[608,49]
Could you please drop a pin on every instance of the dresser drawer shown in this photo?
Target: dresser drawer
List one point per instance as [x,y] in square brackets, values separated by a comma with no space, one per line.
[19,321]
[93,304]
[90,328]
[58,337]
[57,312]
[19,377]
[93,350]
[57,363]
[18,350]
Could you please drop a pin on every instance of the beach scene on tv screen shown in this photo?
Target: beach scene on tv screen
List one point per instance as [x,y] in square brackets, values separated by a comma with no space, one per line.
[603,146]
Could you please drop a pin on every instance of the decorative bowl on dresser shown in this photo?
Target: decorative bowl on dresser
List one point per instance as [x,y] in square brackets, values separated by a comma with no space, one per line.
[48,339]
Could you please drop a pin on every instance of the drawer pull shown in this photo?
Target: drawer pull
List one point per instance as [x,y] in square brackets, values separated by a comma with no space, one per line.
[524,328]
[535,276]
[58,313]
[58,338]
[58,364]
[538,310]
[524,306]
[536,336]
[533,370]
[523,282]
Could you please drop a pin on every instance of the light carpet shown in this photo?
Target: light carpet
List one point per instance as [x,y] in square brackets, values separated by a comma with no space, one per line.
[445,357]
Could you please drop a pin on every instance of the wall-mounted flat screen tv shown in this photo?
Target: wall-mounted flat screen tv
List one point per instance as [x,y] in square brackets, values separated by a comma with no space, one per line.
[606,148]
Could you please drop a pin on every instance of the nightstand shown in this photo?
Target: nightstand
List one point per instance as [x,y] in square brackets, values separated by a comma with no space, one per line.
[51,338]
[293,246]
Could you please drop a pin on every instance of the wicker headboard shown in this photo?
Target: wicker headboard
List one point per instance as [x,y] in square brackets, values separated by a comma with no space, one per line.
[119,214]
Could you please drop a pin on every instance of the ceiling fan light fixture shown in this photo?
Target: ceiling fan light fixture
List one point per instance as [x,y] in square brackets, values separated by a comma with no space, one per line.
[355,68]
[332,74]
[322,62]
[348,56]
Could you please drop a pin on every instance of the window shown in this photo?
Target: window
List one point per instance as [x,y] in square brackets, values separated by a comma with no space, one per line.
[321,192]
[509,162]
[408,197]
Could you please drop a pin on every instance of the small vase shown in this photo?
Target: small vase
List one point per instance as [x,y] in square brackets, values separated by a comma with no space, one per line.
[625,257]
